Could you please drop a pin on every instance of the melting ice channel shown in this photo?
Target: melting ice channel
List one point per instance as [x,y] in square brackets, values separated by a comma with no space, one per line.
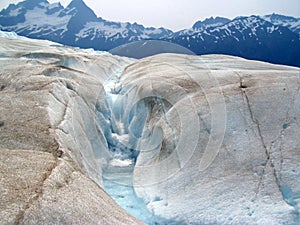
[118,175]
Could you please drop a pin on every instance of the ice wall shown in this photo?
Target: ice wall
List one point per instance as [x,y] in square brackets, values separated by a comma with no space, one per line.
[219,143]
[54,119]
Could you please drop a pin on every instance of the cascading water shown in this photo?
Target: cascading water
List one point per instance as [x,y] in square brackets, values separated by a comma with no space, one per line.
[118,175]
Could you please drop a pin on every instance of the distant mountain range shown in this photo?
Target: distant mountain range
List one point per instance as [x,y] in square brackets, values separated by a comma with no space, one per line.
[272,38]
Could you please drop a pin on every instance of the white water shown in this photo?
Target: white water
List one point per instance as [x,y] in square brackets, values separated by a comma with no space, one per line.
[118,175]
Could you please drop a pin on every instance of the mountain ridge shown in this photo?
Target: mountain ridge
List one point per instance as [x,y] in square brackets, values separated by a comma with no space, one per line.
[272,38]
[245,36]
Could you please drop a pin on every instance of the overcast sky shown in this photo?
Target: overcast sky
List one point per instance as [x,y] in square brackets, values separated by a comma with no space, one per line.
[179,14]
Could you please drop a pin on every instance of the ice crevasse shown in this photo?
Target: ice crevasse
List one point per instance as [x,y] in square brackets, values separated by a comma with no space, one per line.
[175,139]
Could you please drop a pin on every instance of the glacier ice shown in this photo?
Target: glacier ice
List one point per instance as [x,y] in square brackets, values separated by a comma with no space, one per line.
[54,127]
[173,138]
[10,35]
[210,138]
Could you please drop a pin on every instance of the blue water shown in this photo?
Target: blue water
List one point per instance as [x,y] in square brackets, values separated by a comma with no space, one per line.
[117,183]
[117,180]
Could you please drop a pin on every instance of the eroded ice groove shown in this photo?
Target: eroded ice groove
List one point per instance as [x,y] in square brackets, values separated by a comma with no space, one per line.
[118,175]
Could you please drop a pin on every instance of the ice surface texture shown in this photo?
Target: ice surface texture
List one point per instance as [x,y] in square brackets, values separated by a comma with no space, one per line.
[211,139]
[53,119]
[220,140]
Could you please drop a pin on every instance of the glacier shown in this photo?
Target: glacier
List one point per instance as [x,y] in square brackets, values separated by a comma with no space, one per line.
[238,113]
[205,138]
[54,117]
[174,110]
[10,35]
[174,139]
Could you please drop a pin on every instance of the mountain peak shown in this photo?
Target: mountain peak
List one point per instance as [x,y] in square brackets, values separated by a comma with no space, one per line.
[81,9]
[249,21]
[77,4]
[277,17]
[211,22]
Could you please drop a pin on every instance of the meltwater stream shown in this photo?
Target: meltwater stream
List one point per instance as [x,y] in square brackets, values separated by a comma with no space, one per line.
[118,175]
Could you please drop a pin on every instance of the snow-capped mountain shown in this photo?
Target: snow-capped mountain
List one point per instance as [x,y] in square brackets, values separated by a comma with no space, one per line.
[272,38]
[210,22]
[286,21]
[249,37]
[203,25]
[75,25]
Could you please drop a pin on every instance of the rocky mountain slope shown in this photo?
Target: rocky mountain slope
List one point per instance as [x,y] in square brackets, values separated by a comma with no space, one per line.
[272,38]
[249,37]
[200,139]
[285,21]
[75,25]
